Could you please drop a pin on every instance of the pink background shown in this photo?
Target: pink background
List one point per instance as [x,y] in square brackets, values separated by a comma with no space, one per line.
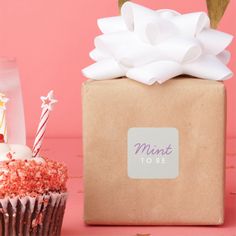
[51,41]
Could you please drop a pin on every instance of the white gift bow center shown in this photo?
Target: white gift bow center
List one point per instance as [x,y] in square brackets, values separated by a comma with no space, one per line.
[154,46]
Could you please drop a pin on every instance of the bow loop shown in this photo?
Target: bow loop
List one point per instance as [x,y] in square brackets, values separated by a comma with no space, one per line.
[167,13]
[214,41]
[135,16]
[154,46]
[111,24]
[180,49]
[159,30]
[191,24]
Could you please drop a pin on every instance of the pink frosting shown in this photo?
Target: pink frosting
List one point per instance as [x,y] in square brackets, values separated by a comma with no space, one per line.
[31,178]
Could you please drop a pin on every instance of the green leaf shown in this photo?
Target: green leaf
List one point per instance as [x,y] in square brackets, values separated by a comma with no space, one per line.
[216,10]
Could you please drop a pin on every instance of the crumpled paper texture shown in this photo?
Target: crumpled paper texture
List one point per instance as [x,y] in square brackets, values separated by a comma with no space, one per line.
[196,108]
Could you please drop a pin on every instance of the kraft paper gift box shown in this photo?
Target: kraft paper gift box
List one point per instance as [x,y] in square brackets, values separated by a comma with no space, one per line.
[154,154]
[154,145]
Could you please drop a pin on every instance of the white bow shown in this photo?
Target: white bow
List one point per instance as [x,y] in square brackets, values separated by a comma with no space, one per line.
[154,46]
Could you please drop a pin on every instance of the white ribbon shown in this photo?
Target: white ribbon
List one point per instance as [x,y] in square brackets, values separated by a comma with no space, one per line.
[154,46]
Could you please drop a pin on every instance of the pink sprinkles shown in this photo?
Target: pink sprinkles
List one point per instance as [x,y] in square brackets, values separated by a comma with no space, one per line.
[30,178]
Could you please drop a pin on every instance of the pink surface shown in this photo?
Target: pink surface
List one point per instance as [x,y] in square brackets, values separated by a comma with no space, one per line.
[51,40]
[69,151]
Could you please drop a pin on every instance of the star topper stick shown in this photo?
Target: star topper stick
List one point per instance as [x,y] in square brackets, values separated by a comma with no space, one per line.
[47,105]
[3,123]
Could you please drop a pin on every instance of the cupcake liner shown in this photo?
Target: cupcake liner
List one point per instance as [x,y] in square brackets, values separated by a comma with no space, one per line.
[29,216]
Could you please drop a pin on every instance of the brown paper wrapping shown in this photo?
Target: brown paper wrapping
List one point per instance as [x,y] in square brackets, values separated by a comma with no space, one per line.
[216,10]
[26,216]
[121,2]
[197,109]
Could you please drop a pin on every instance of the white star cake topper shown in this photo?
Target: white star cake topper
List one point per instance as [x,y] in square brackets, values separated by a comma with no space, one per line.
[3,101]
[48,101]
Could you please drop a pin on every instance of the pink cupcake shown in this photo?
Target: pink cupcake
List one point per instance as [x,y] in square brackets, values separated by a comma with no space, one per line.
[32,192]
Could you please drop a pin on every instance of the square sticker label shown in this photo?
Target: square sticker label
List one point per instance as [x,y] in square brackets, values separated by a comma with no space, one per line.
[153,153]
